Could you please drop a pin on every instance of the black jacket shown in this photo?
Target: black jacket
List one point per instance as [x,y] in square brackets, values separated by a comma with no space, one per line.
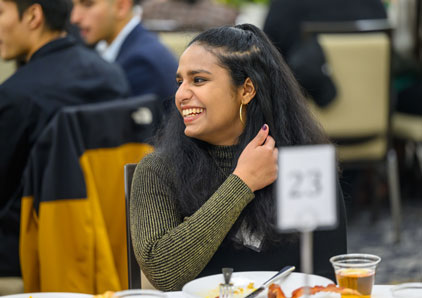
[284,19]
[306,58]
[61,73]
[149,66]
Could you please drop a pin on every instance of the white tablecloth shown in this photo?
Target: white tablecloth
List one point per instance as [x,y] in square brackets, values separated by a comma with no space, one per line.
[382,292]
[379,291]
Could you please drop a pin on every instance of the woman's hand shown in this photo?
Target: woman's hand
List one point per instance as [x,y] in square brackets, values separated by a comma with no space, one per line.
[257,165]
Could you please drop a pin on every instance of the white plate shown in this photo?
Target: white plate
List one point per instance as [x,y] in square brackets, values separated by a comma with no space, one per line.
[140,293]
[49,295]
[207,287]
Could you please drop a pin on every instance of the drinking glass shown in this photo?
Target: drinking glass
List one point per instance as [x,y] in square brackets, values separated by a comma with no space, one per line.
[356,271]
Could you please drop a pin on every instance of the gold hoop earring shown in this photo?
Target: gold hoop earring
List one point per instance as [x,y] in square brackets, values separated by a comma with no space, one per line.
[240,114]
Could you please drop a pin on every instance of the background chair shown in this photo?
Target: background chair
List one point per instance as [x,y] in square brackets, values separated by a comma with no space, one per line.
[359,119]
[7,68]
[177,41]
[73,212]
[409,128]
[136,278]
[10,285]
[407,131]
[134,271]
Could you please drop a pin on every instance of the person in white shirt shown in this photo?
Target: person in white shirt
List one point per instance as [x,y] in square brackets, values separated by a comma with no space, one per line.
[114,27]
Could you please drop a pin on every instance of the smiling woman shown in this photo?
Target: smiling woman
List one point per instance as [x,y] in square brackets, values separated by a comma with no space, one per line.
[207,99]
[204,199]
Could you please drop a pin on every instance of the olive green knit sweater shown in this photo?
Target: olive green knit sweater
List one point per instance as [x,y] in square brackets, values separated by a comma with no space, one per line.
[172,250]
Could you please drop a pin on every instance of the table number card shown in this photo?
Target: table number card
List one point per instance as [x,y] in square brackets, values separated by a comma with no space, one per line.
[306,188]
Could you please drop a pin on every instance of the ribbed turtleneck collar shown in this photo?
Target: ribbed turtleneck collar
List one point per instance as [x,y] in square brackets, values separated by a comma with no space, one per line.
[223,156]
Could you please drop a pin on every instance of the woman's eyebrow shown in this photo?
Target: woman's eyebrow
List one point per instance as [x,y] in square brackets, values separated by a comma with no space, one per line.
[194,72]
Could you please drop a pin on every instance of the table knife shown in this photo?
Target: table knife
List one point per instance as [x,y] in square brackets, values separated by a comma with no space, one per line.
[282,273]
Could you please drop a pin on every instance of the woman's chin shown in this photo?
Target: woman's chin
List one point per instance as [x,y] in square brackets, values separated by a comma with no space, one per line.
[191,133]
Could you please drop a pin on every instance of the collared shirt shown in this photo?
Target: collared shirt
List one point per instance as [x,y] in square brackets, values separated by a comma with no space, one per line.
[110,52]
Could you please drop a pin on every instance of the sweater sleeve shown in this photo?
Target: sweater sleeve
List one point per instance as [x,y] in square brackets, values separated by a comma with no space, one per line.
[172,250]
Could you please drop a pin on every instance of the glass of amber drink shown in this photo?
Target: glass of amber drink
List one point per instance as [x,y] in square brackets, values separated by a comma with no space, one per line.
[356,271]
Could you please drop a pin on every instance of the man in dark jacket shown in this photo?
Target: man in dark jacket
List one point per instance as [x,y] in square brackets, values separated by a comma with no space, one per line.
[57,73]
[114,26]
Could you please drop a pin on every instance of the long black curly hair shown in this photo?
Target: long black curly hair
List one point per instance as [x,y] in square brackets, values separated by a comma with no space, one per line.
[246,52]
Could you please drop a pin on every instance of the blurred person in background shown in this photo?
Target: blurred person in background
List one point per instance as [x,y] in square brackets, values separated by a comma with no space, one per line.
[306,59]
[57,72]
[407,59]
[204,199]
[406,17]
[187,15]
[408,86]
[115,28]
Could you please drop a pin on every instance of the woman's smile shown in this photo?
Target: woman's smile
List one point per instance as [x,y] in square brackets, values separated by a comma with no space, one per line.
[207,99]
[191,114]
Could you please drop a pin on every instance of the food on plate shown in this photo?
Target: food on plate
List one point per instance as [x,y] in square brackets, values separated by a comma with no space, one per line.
[108,294]
[238,291]
[275,291]
[249,288]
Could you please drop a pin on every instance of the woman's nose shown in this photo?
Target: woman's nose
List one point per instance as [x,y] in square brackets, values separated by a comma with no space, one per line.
[183,93]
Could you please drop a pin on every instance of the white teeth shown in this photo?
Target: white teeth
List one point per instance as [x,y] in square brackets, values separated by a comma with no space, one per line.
[190,112]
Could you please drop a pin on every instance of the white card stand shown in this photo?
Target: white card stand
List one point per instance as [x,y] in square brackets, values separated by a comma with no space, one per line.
[306,195]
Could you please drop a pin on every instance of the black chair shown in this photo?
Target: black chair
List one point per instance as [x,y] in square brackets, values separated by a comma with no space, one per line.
[358,26]
[133,269]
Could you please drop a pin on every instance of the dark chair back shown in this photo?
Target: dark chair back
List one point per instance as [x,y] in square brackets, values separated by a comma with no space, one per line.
[361,26]
[133,269]
[74,195]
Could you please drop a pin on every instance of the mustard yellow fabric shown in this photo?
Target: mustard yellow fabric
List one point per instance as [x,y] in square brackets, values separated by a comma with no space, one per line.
[79,244]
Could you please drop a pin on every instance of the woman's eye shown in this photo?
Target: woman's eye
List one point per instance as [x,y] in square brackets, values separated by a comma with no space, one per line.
[179,82]
[199,80]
